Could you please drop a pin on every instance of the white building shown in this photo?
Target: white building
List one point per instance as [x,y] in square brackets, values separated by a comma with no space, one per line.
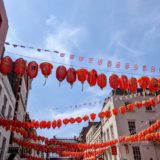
[124,125]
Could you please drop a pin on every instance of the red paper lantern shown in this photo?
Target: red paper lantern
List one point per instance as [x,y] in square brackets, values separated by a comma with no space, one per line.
[6,65]
[65,121]
[71,76]
[132,85]
[72,120]
[82,75]
[54,124]
[138,104]
[32,69]
[153,85]
[85,118]
[143,82]
[123,82]
[107,114]
[102,80]
[114,81]
[78,119]
[122,109]
[61,73]
[92,77]
[115,111]
[130,107]
[93,116]
[101,115]
[20,67]
[46,68]
[59,123]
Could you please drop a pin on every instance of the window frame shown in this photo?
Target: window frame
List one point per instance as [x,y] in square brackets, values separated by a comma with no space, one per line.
[132,131]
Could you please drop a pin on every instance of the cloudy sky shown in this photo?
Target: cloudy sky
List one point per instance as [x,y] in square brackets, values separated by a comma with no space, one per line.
[126,31]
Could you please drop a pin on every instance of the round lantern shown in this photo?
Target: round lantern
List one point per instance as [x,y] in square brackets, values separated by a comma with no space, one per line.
[85,118]
[114,81]
[72,120]
[92,77]
[123,82]
[65,121]
[101,115]
[143,82]
[59,123]
[61,73]
[115,111]
[93,116]
[20,67]
[153,85]
[122,109]
[130,107]
[82,75]
[54,124]
[102,80]
[46,68]
[78,119]
[132,85]
[138,104]
[71,76]
[6,65]
[32,69]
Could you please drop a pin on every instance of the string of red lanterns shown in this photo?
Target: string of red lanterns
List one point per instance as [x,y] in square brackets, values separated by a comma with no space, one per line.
[20,67]
[148,134]
[72,146]
[29,157]
[58,123]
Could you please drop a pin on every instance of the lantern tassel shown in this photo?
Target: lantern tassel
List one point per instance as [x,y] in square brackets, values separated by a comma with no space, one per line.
[45,81]
[59,83]
[82,87]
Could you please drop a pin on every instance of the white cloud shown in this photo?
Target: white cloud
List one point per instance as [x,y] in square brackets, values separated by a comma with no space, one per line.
[51,21]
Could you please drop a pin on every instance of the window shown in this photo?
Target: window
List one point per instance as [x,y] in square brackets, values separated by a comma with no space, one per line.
[0,20]
[112,132]
[151,122]
[3,148]
[132,127]
[9,112]
[108,136]
[136,153]
[0,89]
[4,106]
[126,103]
[149,108]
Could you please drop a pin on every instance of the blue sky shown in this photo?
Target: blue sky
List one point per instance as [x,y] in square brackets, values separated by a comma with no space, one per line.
[126,31]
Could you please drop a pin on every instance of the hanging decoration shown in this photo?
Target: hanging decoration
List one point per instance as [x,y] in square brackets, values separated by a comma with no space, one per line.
[61,73]
[123,83]
[32,69]
[91,60]
[102,80]
[106,114]
[153,85]
[114,81]
[132,85]
[82,75]
[6,65]
[71,76]
[20,67]
[92,77]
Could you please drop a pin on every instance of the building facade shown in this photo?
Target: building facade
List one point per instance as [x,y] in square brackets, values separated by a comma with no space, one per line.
[124,125]
[7,98]
[3,27]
